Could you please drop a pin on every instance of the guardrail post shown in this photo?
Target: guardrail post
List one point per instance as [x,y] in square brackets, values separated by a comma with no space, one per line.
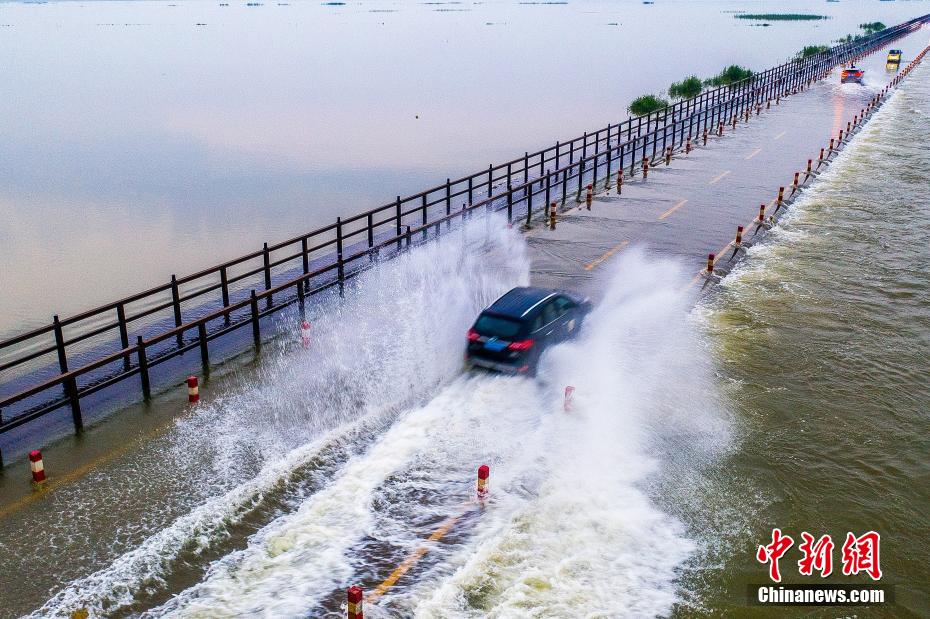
[398,216]
[580,179]
[564,185]
[340,266]
[558,156]
[123,333]
[607,177]
[548,186]
[70,384]
[371,230]
[448,197]
[423,209]
[584,146]
[176,302]
[204,352]
[224,287]
[490,180]
[266,261]
[528,191]
[256,329]
[526,167]
[471,182]
[301,300]
[143,368]
[509,201]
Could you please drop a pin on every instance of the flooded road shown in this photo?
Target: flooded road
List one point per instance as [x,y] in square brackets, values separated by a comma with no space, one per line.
[792,396]
[824,342]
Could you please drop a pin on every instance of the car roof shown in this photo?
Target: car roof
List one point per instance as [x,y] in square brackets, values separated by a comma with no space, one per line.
[520,301]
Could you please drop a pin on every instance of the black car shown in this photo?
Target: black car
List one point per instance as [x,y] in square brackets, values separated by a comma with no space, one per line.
[511,334]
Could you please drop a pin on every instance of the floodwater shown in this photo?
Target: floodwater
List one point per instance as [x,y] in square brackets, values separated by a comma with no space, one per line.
[823,339]
[794,396]
[142,139]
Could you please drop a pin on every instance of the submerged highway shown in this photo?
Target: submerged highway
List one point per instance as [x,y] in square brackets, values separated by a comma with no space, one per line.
[304,471]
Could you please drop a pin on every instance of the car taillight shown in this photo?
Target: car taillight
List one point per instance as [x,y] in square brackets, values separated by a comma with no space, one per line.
[521,345]
[473,335]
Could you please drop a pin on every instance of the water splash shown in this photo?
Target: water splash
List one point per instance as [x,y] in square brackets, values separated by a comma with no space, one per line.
[386,346]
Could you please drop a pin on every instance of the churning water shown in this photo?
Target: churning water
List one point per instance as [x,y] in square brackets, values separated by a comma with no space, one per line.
[824,342]
[327,467]
[283,429]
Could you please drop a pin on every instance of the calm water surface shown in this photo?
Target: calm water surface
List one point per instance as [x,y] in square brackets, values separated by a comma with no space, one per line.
[142,139]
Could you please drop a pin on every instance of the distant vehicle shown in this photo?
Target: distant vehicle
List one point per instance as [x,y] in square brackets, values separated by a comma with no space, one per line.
[851,75]
[511,334]
[894,56]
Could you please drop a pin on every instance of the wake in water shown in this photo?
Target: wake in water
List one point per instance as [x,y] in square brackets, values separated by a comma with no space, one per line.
[262,446]
[576,516]
[573,502]
[568,509]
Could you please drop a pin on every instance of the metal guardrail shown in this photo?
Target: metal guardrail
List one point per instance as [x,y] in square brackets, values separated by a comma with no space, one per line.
[224,297]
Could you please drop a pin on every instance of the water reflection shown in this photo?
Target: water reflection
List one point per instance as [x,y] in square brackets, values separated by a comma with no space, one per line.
[145,138]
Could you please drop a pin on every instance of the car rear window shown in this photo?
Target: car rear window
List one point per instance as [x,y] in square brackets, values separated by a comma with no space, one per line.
[497,326]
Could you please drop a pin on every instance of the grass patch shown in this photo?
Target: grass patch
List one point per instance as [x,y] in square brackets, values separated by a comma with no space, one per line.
[685,89]
[645,104]
[732,74]
[812,50]
[873,27]
[781,16]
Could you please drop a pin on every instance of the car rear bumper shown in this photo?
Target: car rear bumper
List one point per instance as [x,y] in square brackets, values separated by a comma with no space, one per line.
[495,366]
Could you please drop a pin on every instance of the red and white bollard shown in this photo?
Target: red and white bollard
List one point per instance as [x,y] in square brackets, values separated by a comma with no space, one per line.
[739,236]
[305,334]
[761,213]
[484,471]
[589,196]
[38,469]
[193,390]
[354,599]
[710,264]
[569,395]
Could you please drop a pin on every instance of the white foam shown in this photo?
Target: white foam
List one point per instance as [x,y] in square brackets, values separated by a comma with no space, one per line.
[589,541]
[395,337]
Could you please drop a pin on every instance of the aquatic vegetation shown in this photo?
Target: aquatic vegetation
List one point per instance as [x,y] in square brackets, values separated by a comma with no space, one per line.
[812,50]
[781,16]
[873,27]
[645,104]
[732,74]
[689,87]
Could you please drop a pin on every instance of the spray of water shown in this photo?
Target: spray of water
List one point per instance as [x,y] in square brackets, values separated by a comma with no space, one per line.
[572,510]
[589,538]
[385,347]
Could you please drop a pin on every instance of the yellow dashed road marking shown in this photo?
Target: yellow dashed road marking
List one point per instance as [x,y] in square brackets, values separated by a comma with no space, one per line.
[672,210]
[606,255]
